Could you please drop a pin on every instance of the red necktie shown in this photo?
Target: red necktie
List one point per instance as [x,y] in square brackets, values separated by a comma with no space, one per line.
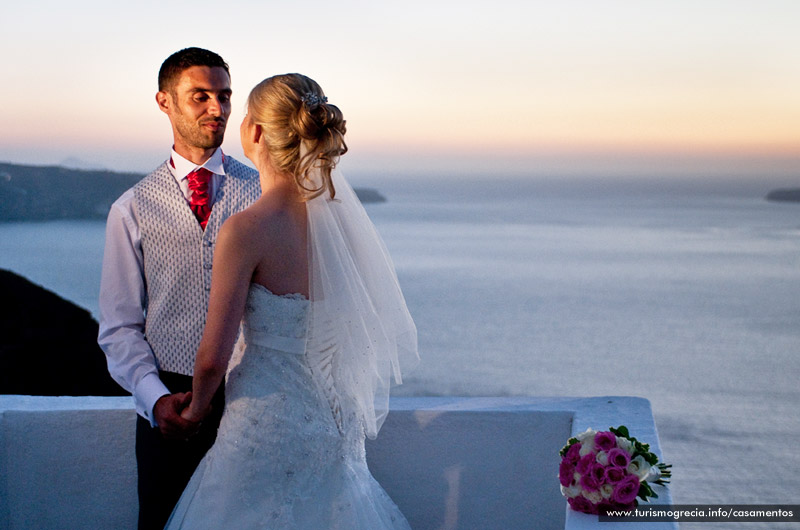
[200,202]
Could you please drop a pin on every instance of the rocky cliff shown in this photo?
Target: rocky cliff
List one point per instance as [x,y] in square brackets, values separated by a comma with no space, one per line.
[49,345]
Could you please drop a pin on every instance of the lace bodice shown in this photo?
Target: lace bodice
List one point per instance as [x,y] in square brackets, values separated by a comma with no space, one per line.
[280,323]
[275,321]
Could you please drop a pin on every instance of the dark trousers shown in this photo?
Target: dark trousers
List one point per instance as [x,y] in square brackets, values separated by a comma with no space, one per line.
[165,466]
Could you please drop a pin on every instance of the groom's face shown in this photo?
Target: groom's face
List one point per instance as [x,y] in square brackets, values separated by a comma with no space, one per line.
[198,106]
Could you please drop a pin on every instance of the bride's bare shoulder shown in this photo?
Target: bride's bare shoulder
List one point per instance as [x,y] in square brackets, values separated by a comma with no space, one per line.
[240,226]
[263,223]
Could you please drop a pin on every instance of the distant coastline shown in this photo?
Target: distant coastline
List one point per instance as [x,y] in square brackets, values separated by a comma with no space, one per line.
[47,193]
[784,195]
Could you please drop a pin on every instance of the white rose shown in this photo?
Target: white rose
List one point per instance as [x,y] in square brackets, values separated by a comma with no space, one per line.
[639,467]
[593,496]
[625,445]
[572,491]
[587,447]
[602,458]
[606,490]
[585,435]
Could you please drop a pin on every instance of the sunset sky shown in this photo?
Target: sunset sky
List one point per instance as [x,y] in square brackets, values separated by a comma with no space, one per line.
[519,86]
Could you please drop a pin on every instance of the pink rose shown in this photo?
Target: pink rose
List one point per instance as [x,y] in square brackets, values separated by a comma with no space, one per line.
[605,440]
[599,473]
[594,478]
[582,504]
[614,474]
[573,453]
[626,490]
[565,473]
[618,458]
[585,463]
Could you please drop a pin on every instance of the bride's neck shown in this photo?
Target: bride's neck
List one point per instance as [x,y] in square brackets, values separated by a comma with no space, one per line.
[269,176]
[274,181]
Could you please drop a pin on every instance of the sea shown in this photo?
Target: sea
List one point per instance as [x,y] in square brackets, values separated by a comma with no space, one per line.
[684,291]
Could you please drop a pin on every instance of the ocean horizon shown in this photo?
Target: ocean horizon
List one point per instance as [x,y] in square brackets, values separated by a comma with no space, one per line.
[685,292]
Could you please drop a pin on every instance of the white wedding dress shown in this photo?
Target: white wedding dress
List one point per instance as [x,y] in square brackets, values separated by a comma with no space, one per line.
[288,455]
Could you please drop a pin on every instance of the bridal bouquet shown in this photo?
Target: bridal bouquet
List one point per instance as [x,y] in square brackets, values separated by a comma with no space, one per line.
[608,470]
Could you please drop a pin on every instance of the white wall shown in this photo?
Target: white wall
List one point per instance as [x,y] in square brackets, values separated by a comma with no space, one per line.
[450,463]
[67,463]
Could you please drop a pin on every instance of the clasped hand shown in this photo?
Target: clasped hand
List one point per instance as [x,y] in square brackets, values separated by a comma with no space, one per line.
[176,419]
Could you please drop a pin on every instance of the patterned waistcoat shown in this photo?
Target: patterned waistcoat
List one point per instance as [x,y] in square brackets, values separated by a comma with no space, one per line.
[178,256]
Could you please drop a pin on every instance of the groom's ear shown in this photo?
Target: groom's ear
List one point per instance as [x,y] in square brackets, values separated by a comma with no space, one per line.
[163,100]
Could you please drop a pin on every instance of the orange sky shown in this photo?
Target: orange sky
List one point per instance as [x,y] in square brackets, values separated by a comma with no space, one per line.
[573,81]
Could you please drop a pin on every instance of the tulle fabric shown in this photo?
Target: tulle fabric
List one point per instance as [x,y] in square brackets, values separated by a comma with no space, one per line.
[357,306]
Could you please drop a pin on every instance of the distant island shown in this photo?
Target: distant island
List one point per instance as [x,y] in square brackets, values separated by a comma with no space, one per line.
[784,195]
[46,193]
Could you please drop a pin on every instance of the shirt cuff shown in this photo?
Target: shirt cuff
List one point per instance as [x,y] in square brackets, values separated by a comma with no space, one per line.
[148,391]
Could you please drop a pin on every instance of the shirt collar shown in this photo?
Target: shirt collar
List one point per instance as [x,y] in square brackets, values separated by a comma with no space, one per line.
[180,167]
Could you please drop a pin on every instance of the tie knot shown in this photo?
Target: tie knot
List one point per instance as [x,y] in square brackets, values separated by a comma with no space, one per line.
[198,180]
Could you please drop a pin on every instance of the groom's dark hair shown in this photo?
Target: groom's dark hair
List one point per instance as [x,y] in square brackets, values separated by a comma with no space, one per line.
[179,61]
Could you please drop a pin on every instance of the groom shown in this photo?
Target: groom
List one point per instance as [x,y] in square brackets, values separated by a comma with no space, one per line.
[156,275]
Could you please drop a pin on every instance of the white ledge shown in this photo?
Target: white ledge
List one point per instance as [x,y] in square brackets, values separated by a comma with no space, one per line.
[449,463]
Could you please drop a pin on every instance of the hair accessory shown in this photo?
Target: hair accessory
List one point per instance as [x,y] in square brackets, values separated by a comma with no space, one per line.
[312,100]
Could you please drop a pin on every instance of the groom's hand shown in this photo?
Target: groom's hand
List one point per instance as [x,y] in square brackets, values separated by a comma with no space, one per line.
[167,412]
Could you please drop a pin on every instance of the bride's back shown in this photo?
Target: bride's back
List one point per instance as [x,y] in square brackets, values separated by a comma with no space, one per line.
[280,236]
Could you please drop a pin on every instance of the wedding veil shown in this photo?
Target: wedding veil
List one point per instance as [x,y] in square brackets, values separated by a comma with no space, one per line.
[358,311]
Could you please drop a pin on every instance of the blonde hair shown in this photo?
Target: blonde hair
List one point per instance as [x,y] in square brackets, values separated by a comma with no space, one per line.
[303,132]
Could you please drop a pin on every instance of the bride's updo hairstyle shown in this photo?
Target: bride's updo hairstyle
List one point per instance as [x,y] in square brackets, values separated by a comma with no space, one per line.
[303,132]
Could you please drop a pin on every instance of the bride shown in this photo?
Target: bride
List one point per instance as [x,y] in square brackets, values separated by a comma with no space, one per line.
[324,329]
